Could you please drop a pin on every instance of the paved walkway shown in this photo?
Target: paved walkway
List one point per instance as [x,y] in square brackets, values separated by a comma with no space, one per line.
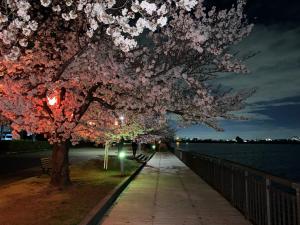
[166,192]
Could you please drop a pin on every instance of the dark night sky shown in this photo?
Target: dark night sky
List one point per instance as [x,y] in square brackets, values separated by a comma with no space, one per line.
[274,110]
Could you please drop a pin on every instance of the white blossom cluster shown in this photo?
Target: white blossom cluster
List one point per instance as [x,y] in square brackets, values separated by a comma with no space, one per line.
[21,25]
[16,30]
[187,4]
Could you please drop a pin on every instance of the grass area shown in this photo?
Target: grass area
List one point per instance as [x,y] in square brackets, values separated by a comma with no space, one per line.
[32,202]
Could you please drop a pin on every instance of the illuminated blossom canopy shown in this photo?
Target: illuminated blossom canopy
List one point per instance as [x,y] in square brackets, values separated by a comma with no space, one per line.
[59,59]
[102,125]
[20,19]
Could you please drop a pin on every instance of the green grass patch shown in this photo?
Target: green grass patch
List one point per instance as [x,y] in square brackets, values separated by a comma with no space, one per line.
[32,202]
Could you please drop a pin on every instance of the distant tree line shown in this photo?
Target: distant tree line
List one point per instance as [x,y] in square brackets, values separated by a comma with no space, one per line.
[240,141]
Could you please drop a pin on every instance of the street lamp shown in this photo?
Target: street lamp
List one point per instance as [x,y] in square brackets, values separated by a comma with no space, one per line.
[52,100]
[122,156]
[91,123]
[122,153]
[122,118]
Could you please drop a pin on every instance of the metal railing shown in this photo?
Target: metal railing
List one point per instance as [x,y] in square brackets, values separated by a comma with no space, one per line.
[264,199]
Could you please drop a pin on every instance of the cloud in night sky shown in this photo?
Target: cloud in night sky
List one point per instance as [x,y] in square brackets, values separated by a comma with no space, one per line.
[275,74]
[275,69]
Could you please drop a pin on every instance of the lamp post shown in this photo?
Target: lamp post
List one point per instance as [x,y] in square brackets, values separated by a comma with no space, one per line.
[122,156]
[122,118]
[122,153]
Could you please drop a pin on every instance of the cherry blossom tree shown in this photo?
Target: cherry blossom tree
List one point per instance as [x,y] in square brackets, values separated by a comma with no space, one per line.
[62,61]
[184,56]
[39,42]
[102,125]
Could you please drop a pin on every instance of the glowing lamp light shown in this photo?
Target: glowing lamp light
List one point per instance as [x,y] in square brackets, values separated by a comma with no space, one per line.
[116,123]
[122,155]
[122,118]
[91,123]
[52,100]
[153,147]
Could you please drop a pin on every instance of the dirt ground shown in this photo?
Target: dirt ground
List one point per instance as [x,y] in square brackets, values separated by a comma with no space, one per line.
[32,202]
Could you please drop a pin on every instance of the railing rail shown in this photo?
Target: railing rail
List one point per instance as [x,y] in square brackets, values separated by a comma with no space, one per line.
[263,198]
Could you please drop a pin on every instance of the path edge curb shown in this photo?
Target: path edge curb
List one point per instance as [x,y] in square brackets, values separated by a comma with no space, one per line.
[95,216]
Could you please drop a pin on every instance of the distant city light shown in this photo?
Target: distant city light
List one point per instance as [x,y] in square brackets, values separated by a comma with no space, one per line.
[52,100]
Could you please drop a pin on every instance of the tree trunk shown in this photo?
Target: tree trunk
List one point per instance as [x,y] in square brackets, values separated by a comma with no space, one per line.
[60,175]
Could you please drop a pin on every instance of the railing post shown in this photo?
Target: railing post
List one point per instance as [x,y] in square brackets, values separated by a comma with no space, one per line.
[246,196]
[298,203]
[232,185]
[268,202]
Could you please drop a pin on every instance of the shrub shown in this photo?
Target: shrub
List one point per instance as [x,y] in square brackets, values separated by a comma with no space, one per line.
[23,146]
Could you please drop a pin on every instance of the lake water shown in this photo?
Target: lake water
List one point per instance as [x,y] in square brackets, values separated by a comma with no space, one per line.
[278,159]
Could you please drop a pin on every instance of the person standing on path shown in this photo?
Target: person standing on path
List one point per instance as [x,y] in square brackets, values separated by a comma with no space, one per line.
[134,146]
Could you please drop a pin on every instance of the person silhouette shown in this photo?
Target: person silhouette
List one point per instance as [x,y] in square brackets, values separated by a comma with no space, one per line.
[134,146]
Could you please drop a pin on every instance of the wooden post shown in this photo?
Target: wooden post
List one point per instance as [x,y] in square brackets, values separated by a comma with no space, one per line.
[107,143]
[122,167]
[268,202]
